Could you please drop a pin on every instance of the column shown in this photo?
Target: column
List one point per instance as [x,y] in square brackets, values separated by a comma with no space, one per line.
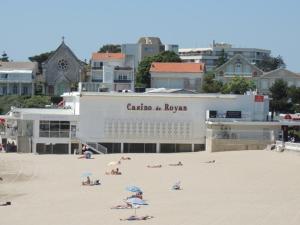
[193,147]
[20,89]
[33,147]
[122,147]
[69,148]
[157,147]
[7,87]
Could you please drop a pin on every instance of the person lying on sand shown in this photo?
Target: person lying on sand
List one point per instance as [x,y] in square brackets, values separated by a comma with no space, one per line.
[125,158]
[127,206]
[114,172]
[5,204]
[176,164]
[211,161]
[138,218]
[154,166]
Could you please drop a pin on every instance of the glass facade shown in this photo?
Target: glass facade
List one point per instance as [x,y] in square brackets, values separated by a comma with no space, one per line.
[54,129]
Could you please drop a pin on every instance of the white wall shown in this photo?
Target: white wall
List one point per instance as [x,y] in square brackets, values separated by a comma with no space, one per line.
[107,118]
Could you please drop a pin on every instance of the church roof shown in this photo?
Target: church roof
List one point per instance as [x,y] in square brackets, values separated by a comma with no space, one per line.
[64,47]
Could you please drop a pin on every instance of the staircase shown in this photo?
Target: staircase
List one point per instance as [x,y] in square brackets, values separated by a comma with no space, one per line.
[96,147]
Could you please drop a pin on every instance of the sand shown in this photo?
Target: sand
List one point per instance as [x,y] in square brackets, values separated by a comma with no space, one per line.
[245,187]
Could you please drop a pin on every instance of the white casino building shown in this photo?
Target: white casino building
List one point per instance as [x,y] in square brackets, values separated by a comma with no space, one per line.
[144,123]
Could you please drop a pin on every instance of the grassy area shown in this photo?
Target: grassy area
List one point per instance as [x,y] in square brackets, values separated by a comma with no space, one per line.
[37,101]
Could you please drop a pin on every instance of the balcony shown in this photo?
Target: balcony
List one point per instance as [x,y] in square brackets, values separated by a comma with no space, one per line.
[122,81]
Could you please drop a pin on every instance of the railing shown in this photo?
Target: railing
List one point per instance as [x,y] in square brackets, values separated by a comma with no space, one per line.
[96,147]
[288,146]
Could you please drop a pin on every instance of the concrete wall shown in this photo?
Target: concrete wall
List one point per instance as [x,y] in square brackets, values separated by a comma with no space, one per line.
[111,118]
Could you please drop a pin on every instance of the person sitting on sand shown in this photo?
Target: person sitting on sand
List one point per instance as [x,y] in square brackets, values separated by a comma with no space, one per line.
[137,195]
[87,182]
[154,166]
[176,186]
[138,218]
[1,179]
[125,158]
[114,172]
[5,204]
[86,155]
[176,164]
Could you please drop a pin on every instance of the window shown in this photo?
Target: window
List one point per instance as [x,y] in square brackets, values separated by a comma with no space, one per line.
[25,90]
[264,84]
[238,68]
[3,76]
[54,129]
[15,89]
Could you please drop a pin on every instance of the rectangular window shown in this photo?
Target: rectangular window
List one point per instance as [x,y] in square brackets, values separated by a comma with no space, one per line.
[54,129]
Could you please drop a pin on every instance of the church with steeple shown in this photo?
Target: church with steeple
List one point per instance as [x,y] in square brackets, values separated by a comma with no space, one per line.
[62,71]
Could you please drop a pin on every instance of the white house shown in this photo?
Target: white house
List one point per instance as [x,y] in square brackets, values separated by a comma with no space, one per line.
[17,78]
[110,71]
[177,75]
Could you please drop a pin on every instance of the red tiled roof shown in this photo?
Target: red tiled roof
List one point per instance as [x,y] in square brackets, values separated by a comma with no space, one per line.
[107,56]
[177,67]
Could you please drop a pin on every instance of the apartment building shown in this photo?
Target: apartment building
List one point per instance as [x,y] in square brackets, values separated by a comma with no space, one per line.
[210,55]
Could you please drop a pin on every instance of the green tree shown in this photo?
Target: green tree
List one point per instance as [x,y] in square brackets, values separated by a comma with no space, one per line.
[40,58]
[238,85]
[37,101]
[111,48]
[210,85]
[270,63]
[294,96]
[223,58]
[4,57]
[143,75]
[279,97]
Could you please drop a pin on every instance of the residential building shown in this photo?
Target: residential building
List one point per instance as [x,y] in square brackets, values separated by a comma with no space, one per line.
[62,71]
[268,79]
[110,71]
[17,78]
[177,75]
[210,55]
[146,46]
[237,66]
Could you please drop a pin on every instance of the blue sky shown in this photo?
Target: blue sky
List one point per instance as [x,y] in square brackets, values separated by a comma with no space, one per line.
[34,26]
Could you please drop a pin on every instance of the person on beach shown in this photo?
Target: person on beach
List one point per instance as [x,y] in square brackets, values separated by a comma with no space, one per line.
[154,166]
[210,161]
[114,172]
[5,204]
[138,218]
[176,164]
[127,206]
[87,182]
[125,158]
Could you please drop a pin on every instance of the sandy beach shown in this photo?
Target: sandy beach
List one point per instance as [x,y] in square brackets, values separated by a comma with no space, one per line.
[245,187]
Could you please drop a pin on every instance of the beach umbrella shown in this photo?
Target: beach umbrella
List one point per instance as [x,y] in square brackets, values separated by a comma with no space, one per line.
[86,174]
[133,189]
[136,201]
